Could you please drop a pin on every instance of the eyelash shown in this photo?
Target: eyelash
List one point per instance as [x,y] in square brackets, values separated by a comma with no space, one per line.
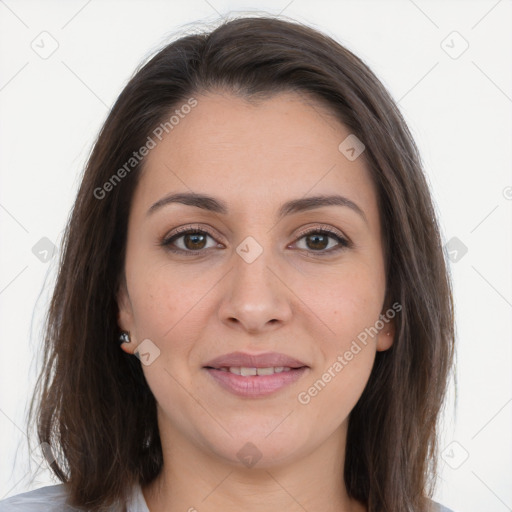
[180,232]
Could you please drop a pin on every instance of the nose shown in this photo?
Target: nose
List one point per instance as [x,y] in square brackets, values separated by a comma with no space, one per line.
[255,295]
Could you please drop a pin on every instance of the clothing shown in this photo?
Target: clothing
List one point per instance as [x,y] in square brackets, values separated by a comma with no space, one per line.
[52,499]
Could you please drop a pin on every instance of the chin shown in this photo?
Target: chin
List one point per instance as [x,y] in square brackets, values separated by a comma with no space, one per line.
[258,445]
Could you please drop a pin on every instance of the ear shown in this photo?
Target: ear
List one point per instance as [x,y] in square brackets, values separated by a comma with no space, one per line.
[386,335]
[125,319]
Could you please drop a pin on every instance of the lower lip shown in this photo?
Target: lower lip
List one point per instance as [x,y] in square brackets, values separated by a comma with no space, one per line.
[255,386]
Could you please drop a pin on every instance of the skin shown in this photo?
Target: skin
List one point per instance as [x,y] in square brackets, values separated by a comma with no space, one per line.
[291,299]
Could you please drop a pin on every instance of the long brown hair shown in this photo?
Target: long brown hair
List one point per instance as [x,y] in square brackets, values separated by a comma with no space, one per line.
[94,407]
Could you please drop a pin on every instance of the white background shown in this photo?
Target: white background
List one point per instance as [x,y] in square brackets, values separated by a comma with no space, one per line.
[459,110]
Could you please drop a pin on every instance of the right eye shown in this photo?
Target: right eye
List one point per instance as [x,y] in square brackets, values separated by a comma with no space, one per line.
[193,241]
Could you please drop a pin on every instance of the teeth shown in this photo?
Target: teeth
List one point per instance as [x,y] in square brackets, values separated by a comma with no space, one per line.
[246,372]
[265,371]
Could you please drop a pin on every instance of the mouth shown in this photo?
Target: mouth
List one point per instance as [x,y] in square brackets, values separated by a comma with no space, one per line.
[255,376]
[246,371]
[267,361]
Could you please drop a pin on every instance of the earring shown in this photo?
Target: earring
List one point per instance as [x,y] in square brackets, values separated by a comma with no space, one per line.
[124,337]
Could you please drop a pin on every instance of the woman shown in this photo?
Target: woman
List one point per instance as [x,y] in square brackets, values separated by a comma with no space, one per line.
[252,308]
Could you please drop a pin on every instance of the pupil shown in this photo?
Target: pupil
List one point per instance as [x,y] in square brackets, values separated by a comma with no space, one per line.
[194,237]
[322,245]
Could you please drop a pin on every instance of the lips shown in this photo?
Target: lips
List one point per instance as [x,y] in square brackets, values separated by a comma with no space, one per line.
[266,360]
[255,375]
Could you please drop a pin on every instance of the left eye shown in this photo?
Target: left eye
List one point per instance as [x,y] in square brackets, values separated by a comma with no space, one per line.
[193,240]
[320,237]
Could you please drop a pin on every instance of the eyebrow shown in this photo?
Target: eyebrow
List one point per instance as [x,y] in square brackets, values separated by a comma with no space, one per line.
[212,204]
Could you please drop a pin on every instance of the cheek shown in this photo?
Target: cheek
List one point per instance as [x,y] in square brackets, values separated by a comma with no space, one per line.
[171,309]
[163,299]
[351,300]
[334,391]
[350,305]
[155,310]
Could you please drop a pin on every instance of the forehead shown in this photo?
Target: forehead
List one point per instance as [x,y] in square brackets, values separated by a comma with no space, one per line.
[254,154]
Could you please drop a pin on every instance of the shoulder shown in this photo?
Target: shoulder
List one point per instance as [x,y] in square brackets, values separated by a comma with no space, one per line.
[51,498]
[437,507]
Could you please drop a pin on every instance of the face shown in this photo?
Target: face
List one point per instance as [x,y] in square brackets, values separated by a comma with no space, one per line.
[305,284]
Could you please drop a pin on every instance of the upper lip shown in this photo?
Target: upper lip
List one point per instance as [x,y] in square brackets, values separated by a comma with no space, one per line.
[266,360]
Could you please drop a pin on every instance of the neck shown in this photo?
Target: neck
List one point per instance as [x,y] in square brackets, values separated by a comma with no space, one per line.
[195,480]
